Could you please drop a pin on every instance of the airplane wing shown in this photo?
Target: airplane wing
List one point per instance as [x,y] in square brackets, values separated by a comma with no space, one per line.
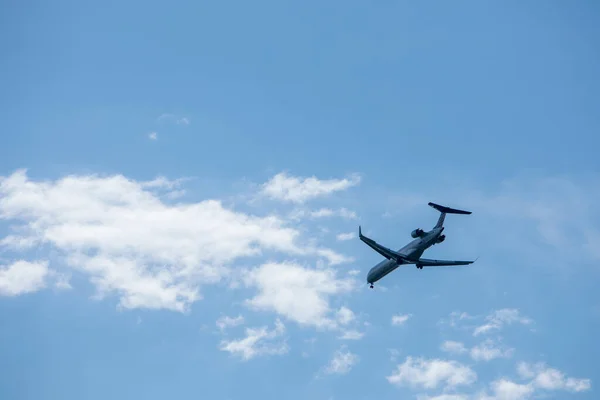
[384,251]
[441,263]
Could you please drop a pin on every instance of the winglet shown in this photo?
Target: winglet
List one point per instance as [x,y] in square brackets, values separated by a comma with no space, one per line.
[359,232]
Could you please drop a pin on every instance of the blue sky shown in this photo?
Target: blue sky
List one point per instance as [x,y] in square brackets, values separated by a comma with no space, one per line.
[178,180]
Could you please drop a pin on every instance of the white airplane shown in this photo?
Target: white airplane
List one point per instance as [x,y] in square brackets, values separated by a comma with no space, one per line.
[411,253]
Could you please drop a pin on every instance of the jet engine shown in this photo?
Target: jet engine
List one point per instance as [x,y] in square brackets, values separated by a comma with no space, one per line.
[441,238]
[417,233]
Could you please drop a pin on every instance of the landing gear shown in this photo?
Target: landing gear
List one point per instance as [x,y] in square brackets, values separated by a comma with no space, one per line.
[371,286]
[419,266]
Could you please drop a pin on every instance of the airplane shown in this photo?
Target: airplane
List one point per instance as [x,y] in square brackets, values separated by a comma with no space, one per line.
[411,253]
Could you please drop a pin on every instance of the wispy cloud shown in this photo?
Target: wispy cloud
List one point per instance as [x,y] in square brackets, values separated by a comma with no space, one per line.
[456,319]
[447,396]
[258,342]
[342,362]
[352,335]
[489,350]
[179,120]
[345,236]
[323,213]
[497,319]
[165,116]
[485,351]
[400,319]
[293,189]
[453,347]
[225,322]
[481,325]
[153,136]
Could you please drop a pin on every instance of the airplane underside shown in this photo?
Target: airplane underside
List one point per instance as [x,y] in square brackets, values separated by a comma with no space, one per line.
[411,253]
[417,265]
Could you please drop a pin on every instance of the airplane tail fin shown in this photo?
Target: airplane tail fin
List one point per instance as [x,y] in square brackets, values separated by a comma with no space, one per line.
[446,210]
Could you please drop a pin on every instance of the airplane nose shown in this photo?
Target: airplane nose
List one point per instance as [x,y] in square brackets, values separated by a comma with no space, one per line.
[370,275]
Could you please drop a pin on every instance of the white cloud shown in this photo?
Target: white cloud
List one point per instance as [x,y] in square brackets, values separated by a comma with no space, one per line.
[345,236]
[444,397]
[225,322]
[332,257]
[492,322]
[578,385]
[162,182]
[497,319]
[23,277]
[485,351]
[183,121]
[430,374]
[342,362]
[327,212]
[501,389]
[345,213]
[453,347]
[18,242]
[400,319]
[540,379]
[488,350]
[298,293]
[345,316]
[351,335]
[258,342]
[120,233]
[547,378]
[504,389]
[422,373]
[455,315]
[298,214]
[153,136]
[300,190]
[526,370]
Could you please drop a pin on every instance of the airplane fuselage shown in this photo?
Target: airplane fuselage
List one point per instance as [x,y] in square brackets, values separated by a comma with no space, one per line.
[413,251]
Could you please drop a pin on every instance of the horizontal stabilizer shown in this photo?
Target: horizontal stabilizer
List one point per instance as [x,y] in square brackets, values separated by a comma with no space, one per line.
[447,210]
